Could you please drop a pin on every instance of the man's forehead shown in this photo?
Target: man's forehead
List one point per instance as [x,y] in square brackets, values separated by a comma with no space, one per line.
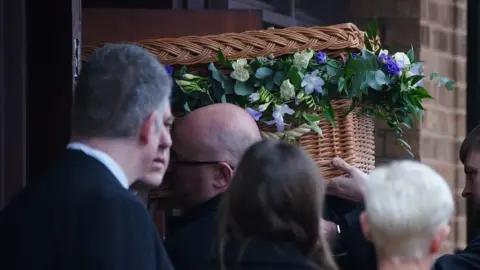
[473,160]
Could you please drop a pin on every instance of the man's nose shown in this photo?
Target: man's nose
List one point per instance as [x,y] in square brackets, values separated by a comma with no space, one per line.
[466,193]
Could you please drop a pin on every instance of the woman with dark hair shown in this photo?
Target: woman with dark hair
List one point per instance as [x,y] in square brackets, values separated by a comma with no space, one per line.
[270,216]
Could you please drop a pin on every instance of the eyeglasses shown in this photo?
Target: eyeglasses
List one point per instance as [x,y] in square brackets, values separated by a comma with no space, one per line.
[174,160]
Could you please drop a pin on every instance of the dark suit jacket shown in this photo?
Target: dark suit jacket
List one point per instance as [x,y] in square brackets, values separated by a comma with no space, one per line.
[191,238]
[261,255]
[190,242]
[78,216]
[467,259]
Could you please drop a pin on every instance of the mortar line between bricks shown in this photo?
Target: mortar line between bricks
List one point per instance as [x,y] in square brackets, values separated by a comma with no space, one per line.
[445,109]
[437,26]
[437,162]
[436,135]
[445,54]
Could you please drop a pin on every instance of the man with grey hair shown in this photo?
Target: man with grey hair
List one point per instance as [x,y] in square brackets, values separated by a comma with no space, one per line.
[80,214]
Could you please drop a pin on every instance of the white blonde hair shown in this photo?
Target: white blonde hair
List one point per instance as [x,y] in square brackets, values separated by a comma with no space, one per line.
[407,203]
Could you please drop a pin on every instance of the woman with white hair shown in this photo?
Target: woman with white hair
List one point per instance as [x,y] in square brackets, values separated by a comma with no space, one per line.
[408,206]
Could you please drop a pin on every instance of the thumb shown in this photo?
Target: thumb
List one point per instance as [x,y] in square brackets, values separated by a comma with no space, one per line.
[342,165]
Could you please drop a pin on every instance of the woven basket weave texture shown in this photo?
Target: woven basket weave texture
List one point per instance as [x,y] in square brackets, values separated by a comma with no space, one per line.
[352,139]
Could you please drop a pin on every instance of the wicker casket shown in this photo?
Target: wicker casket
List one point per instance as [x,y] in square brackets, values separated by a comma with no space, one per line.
[342,125]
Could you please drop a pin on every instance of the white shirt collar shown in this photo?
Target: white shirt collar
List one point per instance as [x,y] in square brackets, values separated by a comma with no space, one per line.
[105,159]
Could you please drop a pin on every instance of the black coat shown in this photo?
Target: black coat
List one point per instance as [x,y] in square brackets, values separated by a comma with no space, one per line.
[261,255]
[78,216]
[191,240]
[467,259]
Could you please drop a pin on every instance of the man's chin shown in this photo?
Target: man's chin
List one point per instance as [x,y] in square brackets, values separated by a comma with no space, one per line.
[153,179]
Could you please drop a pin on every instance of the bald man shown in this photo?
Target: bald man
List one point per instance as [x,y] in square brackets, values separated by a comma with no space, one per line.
[207,146]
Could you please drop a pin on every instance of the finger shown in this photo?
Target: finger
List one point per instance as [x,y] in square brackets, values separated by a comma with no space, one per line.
[342,165]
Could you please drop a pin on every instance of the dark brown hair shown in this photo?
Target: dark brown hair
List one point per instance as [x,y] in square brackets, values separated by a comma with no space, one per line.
[471,143]
[277,194]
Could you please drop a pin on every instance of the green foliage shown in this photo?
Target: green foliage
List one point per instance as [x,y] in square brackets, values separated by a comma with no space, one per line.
[299,89]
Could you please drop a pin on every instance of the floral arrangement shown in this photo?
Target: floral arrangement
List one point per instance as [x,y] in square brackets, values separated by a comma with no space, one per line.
[298,89]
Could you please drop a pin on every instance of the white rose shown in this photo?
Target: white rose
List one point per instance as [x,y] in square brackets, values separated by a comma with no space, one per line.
[287,91]
[302,59]
[240,72]
[401,59]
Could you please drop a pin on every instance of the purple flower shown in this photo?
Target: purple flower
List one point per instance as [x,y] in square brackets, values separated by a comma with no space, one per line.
[321,57]
[384,58]
[169,70]
[312,82]
[354,55]
[254,113]
[278,113]
[392,67]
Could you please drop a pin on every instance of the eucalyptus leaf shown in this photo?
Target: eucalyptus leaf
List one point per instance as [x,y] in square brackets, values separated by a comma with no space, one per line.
[224,98]
[442,81]
[219,77]
[263,72]
[278,77]
[371,61]
[450,85]
[433,76]
[228,85]
[242,89]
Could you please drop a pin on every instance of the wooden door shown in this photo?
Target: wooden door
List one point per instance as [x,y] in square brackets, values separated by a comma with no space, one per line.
[117,25]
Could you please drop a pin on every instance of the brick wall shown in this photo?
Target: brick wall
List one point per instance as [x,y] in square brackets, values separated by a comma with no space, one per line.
[443,47]
[437,30]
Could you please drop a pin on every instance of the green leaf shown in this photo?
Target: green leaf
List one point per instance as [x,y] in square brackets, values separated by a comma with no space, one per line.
[341,84]
[442,81]
[373,82]
[329,114]
[433,76]
[278,77]
[370,60]
[295,77]
[334,69]
[263,72]
[224,99]
[311,119]
[355,65]
[450,85]
[222,60]
[380,77]
[219,77]
[218,90]
[415,79]
[242,89]
[411,55]
[227,84]
[421,92]
[405,146]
